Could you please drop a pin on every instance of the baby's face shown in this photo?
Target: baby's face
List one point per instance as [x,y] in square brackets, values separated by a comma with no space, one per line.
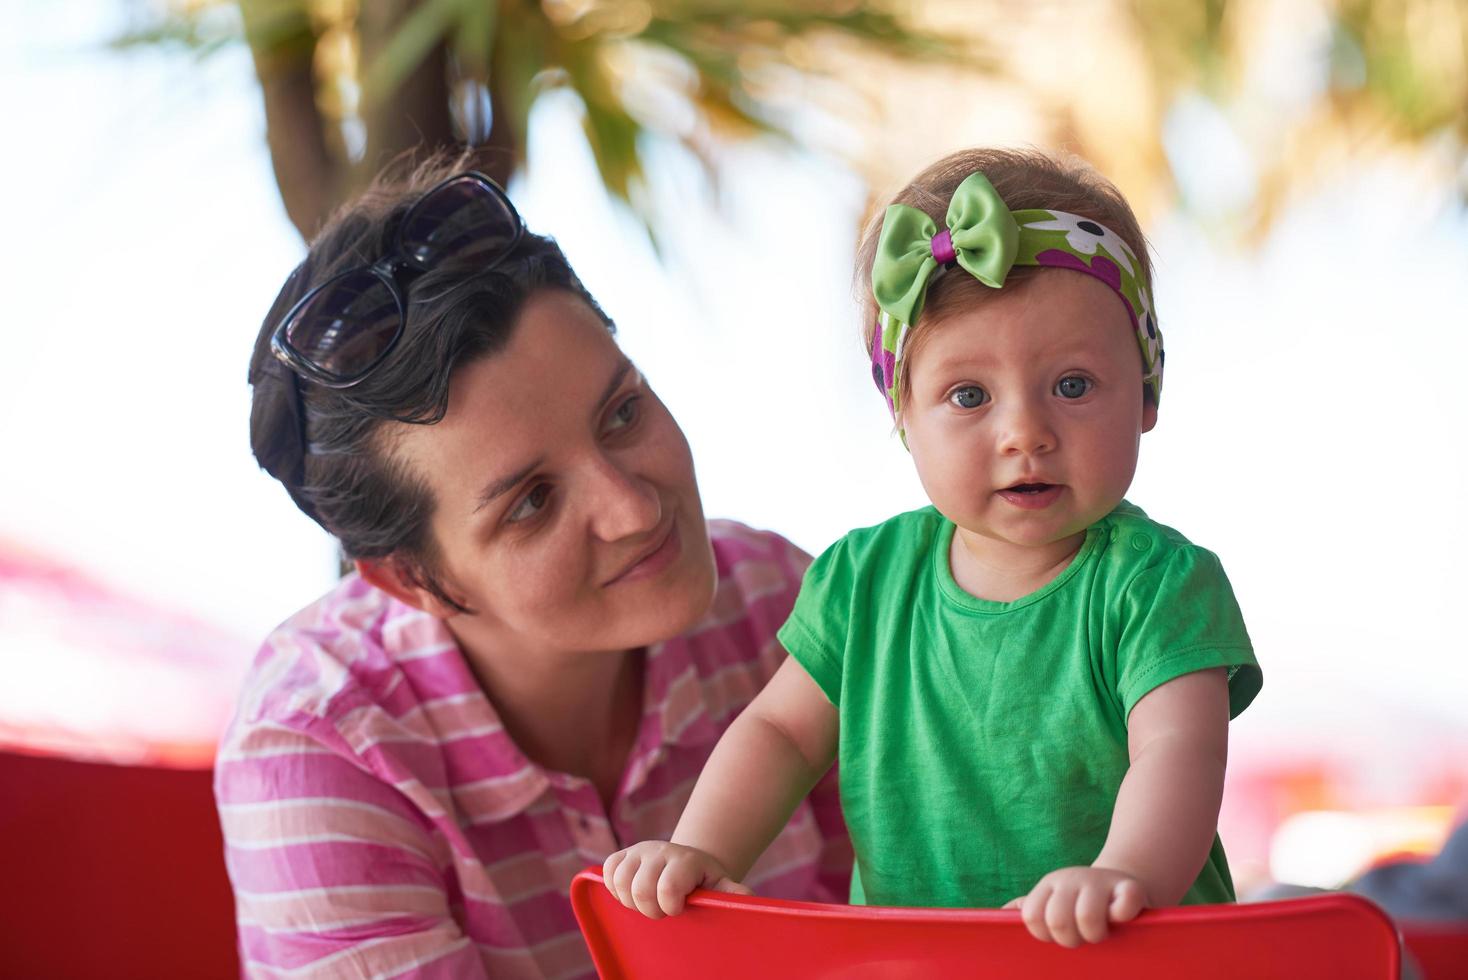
[1025,414]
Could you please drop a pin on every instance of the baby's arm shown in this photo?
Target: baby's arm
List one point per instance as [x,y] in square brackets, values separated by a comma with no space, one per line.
[1164,821]
[763,766]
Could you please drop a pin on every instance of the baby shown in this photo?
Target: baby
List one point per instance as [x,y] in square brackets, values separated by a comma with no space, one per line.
[1029,683]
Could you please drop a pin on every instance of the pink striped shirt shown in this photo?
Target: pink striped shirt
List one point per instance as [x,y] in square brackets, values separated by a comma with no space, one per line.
[380,822]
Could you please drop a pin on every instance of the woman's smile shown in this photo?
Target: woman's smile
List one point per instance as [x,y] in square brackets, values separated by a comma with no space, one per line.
[665,549]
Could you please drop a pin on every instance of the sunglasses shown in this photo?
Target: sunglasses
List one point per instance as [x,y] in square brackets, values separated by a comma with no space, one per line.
[341,330]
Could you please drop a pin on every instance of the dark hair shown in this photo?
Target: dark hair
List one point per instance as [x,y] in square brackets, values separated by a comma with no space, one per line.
[1023,178]
[327,446]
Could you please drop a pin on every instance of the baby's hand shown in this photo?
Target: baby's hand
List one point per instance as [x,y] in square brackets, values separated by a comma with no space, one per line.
[1074,905]
[655,876]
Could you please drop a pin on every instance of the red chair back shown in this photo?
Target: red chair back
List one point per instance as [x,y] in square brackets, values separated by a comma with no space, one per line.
[111,871]
[1339,937]
[1440,948]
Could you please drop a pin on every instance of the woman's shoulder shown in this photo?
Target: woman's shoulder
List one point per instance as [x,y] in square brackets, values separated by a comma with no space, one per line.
[753,563]
[736,542]
[341,653]
[759,574]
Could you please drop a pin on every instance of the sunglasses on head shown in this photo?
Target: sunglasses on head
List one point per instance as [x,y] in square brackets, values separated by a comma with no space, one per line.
[341,330]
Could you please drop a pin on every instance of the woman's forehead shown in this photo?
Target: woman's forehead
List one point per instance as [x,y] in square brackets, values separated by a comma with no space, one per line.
[510,409]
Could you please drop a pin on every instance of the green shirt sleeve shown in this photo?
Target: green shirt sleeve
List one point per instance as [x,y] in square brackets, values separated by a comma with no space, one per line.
[819,624]
[1180,616]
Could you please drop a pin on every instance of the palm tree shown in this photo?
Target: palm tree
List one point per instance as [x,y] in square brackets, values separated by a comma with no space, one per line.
[348,84]
[1230,108]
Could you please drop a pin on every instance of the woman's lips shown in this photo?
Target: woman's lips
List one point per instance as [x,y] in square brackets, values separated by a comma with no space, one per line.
[654,561]
[1032,496]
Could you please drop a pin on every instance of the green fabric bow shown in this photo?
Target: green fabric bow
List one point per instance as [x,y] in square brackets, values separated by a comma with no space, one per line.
[985,240]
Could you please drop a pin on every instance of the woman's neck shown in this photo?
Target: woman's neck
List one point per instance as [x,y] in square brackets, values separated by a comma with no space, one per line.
[578,713]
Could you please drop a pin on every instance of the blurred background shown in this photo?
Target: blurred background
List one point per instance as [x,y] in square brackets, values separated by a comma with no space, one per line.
[1300,166]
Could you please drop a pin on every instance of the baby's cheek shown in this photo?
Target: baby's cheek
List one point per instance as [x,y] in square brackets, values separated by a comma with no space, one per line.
[955,483]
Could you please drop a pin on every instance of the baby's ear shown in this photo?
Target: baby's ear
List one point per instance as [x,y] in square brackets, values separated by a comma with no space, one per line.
[1149,412]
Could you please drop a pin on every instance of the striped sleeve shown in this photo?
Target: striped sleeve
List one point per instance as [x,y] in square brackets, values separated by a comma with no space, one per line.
[334,872]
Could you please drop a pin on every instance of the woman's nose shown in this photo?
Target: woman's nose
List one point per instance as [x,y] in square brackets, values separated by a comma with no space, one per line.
[1026,431]
[623,504]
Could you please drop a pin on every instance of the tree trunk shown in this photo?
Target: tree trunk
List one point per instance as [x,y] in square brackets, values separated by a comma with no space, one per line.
[499,155]
[283,45]
[416,116]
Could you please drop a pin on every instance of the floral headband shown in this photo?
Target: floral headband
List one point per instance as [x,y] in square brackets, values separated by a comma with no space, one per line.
[987,240]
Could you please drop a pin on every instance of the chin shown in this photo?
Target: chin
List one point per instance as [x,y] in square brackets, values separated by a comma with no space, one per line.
[660,619]
[690,594]
[677,602]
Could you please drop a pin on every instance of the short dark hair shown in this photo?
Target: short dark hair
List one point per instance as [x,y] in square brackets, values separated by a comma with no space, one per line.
[326,445]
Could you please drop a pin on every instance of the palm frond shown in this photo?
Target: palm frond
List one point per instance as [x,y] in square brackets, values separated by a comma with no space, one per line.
[426,25]
[1395,73]
[202,31]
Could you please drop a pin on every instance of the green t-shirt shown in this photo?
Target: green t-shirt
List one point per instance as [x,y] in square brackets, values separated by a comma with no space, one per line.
[983,743]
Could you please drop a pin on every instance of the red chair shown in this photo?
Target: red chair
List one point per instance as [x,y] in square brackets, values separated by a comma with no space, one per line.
[1340,937]
[111,871]
[1440,948]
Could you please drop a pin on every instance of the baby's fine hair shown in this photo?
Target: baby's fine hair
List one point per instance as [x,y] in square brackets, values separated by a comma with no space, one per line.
[1023,178]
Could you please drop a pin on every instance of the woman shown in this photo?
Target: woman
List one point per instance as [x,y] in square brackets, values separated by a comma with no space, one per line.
[542,639]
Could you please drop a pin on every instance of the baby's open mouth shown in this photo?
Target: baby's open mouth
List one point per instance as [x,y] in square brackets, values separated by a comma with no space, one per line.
[1029,488]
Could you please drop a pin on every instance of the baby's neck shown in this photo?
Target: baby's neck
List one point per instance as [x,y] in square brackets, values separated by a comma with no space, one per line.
[1003,573]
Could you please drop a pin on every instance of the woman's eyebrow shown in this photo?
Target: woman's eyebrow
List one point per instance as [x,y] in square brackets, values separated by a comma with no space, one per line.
[612,386]
[502,486]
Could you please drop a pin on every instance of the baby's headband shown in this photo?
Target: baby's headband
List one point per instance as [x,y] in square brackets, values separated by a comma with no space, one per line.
[987,239]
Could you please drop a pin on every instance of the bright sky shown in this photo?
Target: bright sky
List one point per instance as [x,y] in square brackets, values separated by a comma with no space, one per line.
[1311,434]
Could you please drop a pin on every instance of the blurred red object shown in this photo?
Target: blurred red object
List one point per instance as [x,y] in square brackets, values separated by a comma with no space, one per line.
[111,871]
[1440,948]
[92,671]
[1337,936]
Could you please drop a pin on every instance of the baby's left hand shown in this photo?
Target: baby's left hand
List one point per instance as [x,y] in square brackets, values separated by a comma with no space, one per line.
[1074,905]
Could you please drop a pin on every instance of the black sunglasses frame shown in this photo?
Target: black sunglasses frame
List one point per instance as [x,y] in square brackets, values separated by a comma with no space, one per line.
[395,271]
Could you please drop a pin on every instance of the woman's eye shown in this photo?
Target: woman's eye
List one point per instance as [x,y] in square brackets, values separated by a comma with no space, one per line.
[530,505]
[1073,386]
[625,414]
[969,396]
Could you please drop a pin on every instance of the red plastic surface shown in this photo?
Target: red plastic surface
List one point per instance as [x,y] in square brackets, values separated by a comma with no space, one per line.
[1440,949]
[1340,937]
[111,871]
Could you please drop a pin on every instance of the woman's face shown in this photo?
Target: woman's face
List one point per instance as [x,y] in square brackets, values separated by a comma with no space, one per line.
[566,512]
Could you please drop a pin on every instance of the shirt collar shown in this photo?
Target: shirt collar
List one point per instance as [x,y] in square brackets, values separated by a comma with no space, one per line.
[675,713]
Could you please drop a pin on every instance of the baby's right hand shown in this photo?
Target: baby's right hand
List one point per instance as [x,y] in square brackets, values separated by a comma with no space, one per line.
[655,876]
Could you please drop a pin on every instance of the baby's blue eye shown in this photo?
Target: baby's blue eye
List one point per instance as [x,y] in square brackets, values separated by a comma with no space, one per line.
[969,396]
[1073,386]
